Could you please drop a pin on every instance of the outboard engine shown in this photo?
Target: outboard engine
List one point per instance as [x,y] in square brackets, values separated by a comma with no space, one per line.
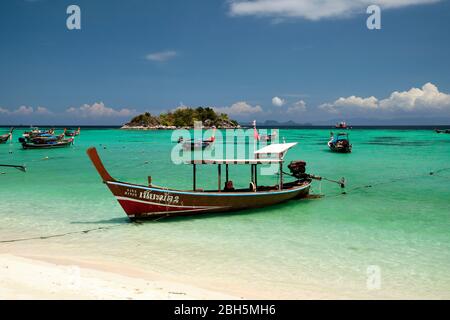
[298,169]
[21,140]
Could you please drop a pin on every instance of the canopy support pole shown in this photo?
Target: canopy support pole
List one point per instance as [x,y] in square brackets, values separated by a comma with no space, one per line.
[149,181]
[194,182]
[219,174]
[226,169]
[280,187]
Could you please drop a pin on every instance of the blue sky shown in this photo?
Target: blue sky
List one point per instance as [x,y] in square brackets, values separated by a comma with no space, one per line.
[306,61]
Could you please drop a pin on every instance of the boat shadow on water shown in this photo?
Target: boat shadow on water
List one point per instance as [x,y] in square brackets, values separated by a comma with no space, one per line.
[259,213]
[339,153]
[174,219]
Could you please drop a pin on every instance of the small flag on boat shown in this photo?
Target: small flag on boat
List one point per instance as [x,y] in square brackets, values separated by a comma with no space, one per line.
[255,131]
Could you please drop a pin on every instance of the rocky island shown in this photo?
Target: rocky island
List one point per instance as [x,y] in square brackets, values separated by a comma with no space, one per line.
[181,118]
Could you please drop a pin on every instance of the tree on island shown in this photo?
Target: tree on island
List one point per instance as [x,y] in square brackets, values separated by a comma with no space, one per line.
[184,117]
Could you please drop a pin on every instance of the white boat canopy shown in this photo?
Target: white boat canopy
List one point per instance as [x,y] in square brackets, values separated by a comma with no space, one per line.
[235,161]
[278,149]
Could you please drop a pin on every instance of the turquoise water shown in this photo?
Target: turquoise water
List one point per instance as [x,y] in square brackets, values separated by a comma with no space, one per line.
[394,215]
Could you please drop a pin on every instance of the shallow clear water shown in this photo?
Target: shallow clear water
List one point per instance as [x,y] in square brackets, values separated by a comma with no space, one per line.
[401,223]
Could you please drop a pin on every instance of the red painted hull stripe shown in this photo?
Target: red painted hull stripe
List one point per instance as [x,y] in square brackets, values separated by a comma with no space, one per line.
[134,208]
[166,205]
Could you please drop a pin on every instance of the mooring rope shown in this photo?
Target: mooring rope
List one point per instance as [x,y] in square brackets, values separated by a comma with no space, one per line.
[58,235]
[430,173]
[394,180]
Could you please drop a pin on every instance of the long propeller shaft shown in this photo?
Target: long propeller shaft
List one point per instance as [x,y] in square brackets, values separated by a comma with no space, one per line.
[21,168]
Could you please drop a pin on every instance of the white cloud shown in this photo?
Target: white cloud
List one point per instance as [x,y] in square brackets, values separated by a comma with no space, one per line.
[349,103]
[278,102]
[161,56]
[26,111]
[297,107]
[313,9]
[43,110]
[23,110]
[239,108]
[428,99]
[98,110]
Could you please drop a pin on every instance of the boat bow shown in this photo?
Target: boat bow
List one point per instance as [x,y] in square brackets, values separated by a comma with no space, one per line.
[98,164]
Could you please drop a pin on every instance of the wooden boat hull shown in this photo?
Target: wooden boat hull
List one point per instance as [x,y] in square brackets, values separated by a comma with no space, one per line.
[45,139]
[192,146]
[340,148]
[71,134]
[59,144]
[4,138]
[140,202]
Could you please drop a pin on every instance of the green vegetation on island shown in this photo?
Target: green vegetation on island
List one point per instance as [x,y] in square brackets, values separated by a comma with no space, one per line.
[182,118]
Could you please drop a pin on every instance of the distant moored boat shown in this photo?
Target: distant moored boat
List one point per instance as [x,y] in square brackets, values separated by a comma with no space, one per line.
[341,125]
[48,145]
[7,136]
[340,143]
[192,145]
[70,133]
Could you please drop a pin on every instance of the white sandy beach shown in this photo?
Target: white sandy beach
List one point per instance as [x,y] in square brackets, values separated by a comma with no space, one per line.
[26,278]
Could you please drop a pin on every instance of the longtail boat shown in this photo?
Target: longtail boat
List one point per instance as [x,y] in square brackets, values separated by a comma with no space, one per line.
[340,143]
[43,138]
[341,125]
[34,131]
[192,145]
[6,137]
[49,144]
[151,201]
[268,138]
[442,130]
[70,133]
